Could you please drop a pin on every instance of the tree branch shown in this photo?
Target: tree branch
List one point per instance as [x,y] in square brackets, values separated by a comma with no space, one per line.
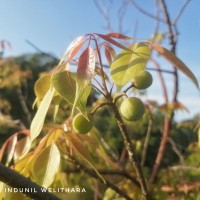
[93,174]
[110,172]
[181,12]
[168,118]
[131,151]
[145,12]
[15,180]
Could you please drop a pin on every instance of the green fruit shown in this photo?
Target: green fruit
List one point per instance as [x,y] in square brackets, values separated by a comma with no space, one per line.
[81,124]
[143,80]
[132,109]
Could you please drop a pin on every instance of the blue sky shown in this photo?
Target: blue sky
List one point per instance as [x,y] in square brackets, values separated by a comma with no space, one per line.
[52,24]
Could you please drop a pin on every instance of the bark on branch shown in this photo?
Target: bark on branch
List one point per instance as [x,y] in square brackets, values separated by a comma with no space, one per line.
[15,180]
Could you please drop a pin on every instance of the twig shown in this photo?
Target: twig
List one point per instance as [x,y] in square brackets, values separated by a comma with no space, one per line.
[168,118]
[110,172]
[161,149]
[105,13]
[99,106]
[131,151]
[146,142]
[93,174]
[121,13]
[42,52]
[145,12]
[163,85]
[24,105]
[181,12]
[169,26]
[176,150]
[15,180]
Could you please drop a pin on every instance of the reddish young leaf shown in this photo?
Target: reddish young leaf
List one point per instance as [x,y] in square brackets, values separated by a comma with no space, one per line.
[175,61]
[11,148]
[78,142]
[119,36]
[108,56]
[86,64]
[4,44]
[3,148]
[71,47]
[111,50]
[78,146]
[6,144]
[75,50]
[110,40]
[21,148]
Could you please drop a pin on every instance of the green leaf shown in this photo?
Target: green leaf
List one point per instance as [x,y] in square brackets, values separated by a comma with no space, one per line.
[46,165]
[65,85]
[85,72]
[128,64]
[42,85]
[38,120]
[83,91]
[169,56]
[24,165]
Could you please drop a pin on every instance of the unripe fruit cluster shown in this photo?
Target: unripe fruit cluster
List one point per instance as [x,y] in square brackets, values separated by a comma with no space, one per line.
[142,80]
[81,124]
[132,109]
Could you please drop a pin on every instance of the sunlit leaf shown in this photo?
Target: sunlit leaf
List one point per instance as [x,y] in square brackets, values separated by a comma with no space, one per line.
[11,149]
[71,47]
[85,72]
[10,143]
[65,85]
[22,147]
[42,85]
[46,165]
[128,64]
[86,64]
[38,120]
[75,50]
[169,56]
[24,164]
[53,137]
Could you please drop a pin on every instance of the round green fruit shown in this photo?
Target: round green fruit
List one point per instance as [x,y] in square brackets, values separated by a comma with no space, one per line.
[132,109]
[81,124]
[143,80]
